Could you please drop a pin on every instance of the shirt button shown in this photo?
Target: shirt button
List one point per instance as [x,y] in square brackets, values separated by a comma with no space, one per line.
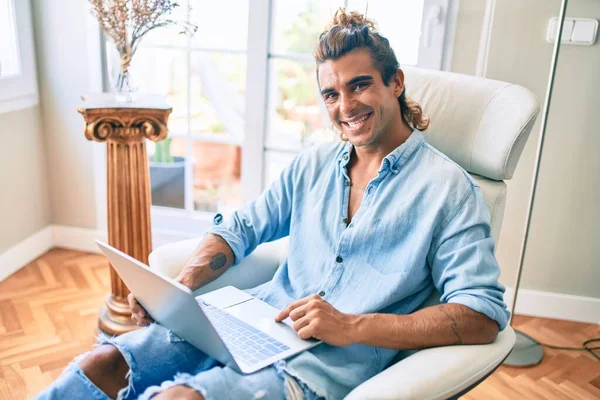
[348,183]
[218,219]
[321,293]
[339,259]
[345,157]
[346,221]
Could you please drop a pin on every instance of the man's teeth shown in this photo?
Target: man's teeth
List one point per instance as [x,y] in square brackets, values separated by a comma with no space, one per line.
[360,121]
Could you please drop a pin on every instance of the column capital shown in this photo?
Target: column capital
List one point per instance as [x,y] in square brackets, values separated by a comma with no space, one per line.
[125,124]
[107,119]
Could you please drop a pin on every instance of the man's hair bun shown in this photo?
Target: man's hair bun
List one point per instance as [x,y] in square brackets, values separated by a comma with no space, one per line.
[351,20]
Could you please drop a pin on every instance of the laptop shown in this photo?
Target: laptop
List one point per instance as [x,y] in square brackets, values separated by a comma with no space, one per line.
[228,324]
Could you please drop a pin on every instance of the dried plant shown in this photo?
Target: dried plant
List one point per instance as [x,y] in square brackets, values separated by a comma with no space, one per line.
[127,21]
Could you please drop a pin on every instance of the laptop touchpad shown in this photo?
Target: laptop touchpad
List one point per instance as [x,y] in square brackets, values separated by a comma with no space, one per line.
[226,297]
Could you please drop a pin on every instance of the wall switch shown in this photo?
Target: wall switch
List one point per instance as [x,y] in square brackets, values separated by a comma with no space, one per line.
[578,31]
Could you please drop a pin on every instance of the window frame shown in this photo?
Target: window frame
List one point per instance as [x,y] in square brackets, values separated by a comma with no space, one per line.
[21,91]
[438,56]
[171,224]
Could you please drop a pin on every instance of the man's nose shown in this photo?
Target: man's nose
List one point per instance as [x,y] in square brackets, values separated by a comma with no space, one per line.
[347,104]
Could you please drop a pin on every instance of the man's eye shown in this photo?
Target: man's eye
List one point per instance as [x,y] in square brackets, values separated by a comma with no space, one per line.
[360,86]
[330,96]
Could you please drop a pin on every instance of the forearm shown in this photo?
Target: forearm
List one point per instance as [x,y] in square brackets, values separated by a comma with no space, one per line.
[441,325]
[208,261]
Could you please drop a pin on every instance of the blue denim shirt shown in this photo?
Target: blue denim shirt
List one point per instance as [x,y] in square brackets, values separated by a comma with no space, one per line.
[423,224]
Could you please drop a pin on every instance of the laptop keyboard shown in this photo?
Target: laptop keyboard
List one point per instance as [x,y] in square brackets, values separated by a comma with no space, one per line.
[245,342]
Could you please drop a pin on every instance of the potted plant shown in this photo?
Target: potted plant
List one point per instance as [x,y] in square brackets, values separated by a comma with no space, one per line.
[167,176]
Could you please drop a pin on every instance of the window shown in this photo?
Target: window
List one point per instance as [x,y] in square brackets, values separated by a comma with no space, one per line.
[18,86]
[244,93]
[9,48]
[204,79]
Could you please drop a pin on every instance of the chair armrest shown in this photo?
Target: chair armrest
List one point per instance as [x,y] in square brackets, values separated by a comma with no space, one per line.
[255,269]
[437,373]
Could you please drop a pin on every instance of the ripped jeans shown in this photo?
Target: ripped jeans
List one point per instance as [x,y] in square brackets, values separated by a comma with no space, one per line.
[158,360]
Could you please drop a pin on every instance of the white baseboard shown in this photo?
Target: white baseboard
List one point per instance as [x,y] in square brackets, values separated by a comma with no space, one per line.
[530,302]
[68,237]
[82,239]
[25,251]
[536,303]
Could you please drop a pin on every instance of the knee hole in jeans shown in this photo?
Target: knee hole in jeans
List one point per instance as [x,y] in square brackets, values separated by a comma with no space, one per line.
[106,367]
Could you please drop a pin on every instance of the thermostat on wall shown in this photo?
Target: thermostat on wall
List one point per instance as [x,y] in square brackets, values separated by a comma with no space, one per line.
[579,31]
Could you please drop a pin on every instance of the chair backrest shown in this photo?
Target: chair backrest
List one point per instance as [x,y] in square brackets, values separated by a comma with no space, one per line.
[481,124]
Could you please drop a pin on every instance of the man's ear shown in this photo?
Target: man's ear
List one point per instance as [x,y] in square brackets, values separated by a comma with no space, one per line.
[397,82]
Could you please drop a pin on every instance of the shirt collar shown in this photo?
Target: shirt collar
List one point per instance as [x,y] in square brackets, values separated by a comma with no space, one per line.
[395,158]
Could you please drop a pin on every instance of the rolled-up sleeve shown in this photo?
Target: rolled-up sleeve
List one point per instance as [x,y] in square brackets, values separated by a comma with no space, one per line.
[464,267]
[264,219]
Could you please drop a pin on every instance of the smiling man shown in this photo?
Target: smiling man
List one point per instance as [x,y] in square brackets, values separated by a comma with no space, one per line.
[376,223]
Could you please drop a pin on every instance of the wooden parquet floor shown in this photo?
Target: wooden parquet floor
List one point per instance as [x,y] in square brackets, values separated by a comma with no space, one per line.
[49,311]
[48,315]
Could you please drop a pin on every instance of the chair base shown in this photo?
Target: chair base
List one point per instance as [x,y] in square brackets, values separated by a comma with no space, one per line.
[526,353]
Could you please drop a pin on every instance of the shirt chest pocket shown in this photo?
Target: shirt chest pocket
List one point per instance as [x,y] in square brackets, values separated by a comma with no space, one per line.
[380,246]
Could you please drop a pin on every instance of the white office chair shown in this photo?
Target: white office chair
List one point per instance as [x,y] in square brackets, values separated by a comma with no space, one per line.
[482,125]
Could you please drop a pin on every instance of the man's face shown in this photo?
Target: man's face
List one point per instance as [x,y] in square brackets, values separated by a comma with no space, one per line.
[357,100]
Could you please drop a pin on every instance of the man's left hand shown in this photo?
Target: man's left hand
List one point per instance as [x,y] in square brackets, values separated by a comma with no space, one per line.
[316,318]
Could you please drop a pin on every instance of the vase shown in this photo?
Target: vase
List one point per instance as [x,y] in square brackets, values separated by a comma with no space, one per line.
[119,75]
[125,91]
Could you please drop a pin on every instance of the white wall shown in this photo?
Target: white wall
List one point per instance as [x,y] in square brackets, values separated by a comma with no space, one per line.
[24,202]
[62,57]
[563,255]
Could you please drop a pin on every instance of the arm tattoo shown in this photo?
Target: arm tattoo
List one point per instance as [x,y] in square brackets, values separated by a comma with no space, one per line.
[217,261]
[453,326]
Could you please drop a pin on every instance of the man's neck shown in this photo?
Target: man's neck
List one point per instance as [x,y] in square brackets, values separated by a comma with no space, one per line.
[370,157]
